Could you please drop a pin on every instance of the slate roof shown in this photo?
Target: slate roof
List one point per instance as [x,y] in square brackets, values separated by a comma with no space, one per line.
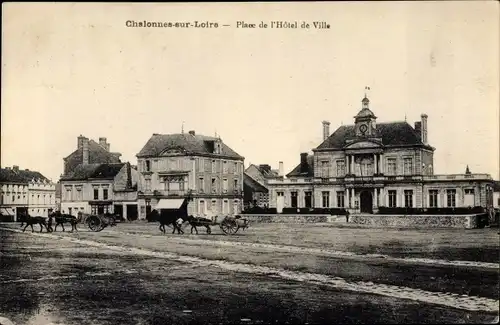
[266,173]
[194,144]
[93,171]
[309,172]
[253,185]
[97,155]
[19,176]
[393,134]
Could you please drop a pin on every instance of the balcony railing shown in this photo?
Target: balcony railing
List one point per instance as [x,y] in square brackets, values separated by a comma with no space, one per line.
[170,192]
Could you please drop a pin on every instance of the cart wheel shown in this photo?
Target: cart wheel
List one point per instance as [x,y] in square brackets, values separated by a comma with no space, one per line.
[229,227]
[95,224]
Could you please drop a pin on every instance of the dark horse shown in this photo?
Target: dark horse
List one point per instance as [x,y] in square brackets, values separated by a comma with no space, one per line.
[30,221]
[62,218]
[172,216]
[166,218]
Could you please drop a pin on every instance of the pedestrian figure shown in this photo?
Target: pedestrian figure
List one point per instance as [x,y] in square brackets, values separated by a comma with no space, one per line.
[347,216]
[49,224]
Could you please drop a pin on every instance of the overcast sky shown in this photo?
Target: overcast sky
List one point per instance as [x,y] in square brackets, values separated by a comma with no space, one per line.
[70,69]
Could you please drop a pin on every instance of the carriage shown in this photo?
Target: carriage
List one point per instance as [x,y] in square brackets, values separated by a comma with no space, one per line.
[98,222]
[171,210]
[229,224]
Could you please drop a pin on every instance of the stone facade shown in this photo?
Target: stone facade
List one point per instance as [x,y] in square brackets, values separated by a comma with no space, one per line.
[174,165]
[101,188]
[367,165]
[24,191]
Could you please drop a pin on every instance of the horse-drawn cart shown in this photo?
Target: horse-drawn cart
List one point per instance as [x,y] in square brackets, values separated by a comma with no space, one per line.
[97,223]
[229,224]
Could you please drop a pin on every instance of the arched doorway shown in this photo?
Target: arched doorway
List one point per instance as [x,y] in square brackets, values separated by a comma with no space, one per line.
[366,202]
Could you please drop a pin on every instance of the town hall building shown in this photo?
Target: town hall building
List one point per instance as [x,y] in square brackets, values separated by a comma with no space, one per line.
[368,165]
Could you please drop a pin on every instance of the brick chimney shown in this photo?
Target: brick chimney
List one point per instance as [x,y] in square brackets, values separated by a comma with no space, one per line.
[424,128]
[303,162]
[281,170]
[15,168]
[326,130]
[103,142]
[129,176]
[85,147]
[79,143]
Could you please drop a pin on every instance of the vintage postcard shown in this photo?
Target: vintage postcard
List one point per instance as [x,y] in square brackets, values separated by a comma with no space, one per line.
[250,163]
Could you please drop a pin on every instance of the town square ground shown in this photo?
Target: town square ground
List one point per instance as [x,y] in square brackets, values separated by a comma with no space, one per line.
[270,273]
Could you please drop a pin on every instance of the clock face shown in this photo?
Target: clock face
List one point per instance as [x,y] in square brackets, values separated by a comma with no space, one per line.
[363,128]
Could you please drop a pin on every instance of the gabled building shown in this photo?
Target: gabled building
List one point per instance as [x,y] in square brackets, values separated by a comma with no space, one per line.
[24,191]
[174,164]
[90,152]
[368,165]
[254,193]
[101,188]
[258,194]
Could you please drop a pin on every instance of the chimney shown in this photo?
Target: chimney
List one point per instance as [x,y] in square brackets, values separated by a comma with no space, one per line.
[326,130]
[192,132]
[129,176]
[281,170]
[103,142]
[303,162]
[15,168]
[418,128]
[80,139]
[85,147]
[424,128]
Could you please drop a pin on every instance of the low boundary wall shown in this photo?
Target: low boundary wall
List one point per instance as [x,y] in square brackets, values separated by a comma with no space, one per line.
[291,218]
[377,220]
[420,221]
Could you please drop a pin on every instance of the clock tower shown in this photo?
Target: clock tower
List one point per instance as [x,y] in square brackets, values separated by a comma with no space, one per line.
[365,120]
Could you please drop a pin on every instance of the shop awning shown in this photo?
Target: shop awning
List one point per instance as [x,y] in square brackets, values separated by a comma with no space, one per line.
[169,204]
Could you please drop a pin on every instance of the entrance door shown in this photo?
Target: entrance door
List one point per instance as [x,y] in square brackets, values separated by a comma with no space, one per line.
[366,202]
[131,212]
[100,209]
[118,209]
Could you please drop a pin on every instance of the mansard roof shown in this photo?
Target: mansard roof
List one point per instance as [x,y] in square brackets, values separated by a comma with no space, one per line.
[393,134]
[20,176]
[187,142]
[93,171]
[308,170]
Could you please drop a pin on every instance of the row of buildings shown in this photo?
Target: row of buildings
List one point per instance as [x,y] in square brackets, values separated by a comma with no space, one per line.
[359,167]
[25,191]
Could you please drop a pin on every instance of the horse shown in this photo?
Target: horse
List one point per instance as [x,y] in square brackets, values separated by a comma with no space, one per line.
[62,218]
[168,218]
[30,221]
[198,222]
